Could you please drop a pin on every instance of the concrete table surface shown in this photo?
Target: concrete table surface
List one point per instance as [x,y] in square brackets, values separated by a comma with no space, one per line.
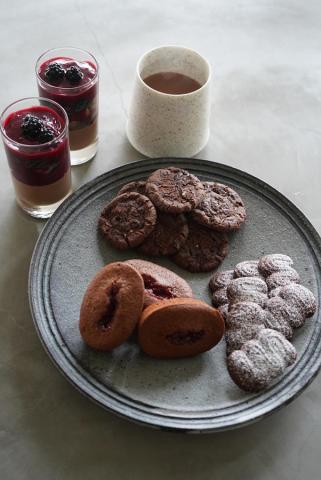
[266,120]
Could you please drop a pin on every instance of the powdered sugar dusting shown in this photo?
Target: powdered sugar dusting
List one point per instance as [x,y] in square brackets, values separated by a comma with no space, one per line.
[261,360]
[263,309]
[275,262]
[284,277]
[219,297]
[300,297]
[221,279]
[249,268]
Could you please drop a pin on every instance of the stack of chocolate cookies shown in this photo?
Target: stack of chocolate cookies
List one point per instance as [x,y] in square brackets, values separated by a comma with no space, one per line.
[173,213]
[262,303]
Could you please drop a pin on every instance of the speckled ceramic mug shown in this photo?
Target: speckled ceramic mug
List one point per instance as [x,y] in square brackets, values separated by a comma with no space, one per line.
[162,124]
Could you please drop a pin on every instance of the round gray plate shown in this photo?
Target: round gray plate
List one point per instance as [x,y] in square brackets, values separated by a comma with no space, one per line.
[194,394]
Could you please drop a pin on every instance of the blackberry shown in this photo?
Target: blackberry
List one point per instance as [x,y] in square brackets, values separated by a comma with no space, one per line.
[31,126]
[54,72]
[74,74]
[46,135]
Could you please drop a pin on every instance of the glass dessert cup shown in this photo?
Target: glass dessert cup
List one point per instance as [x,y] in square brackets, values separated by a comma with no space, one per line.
[74,85]
[35,136]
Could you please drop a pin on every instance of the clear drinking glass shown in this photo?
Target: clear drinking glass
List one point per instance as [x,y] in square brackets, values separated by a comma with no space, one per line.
[77,94]
[39,160]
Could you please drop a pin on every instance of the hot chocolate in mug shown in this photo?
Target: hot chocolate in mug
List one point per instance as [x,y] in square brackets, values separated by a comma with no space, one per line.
[170,109]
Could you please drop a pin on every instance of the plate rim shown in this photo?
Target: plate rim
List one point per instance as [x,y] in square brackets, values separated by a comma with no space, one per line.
[154,419]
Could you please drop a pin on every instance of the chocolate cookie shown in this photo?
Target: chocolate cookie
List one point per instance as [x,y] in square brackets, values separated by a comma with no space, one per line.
[247,289]
[244,313]
[274,292]
[159,282]
[127,220]
[136,186]
[299,297]
[181,327]
[221,208]
[275,262]
[284,277]
[174,190]
[220,279]
[223,309]
[111,306]
[219,297]
[169,235]
[203,250]
[261,360]
[248,268]
[243,322]
[285,316]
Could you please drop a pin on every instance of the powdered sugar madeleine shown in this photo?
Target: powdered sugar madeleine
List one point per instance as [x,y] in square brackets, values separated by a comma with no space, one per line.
[180,327]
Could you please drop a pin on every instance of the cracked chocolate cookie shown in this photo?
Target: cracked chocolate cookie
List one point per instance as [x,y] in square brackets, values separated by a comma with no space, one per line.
[111,306]
[221,208]
[174,190]
[169,235]
[127,220]
[203,250]
[136,186]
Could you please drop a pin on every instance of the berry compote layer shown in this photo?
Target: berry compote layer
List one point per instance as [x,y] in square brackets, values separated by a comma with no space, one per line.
[38,155]
[74,85]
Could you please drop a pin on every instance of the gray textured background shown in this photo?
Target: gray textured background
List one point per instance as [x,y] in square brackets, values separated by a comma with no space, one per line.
[266,120]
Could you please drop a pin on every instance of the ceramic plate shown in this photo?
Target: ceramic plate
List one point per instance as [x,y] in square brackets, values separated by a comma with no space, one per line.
[195,394]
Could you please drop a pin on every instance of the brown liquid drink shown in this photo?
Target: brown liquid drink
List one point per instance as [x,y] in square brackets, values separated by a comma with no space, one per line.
[172,83]
[170,108]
